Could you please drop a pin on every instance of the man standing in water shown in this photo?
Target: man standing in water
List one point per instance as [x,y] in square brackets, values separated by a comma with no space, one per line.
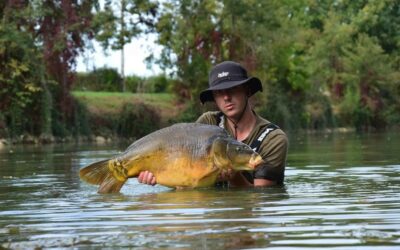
[230,88]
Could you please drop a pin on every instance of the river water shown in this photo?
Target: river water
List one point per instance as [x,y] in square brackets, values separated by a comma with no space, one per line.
[342,192]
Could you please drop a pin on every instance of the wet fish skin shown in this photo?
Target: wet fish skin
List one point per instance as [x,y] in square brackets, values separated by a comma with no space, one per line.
[183,155]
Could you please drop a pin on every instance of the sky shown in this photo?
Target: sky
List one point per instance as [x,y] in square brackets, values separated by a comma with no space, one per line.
[135,54]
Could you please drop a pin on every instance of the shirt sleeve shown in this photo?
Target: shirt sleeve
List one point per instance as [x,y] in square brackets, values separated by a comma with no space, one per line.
[273,150]
[207,118]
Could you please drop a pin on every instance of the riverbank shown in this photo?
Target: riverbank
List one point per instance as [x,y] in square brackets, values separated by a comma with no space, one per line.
[111,116]
[101,139]
[139,114]
[112,103]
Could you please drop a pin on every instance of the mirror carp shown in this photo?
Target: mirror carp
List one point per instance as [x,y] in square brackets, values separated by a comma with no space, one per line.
[182,155]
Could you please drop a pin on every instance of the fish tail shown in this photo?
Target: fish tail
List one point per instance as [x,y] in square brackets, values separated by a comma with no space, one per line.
[110,185]
[99,173]
[95,173]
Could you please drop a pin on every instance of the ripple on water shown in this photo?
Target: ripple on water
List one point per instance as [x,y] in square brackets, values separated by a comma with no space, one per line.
[331,203]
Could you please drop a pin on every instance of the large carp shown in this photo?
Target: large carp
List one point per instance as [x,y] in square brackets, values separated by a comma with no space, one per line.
[182,155]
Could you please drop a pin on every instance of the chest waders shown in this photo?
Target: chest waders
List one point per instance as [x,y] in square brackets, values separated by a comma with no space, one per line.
[255,145]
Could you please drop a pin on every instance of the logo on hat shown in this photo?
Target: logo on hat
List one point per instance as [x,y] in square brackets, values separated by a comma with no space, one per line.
[223,74]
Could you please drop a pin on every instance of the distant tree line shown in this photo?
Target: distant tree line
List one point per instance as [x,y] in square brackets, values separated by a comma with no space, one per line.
[322,63]
[108,79]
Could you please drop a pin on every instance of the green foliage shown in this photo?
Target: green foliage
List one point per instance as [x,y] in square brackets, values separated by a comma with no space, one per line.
[85,81]
[102,79]
[322,63]
[157,84]
[3,127]
[366,71]
[133,83]
[131,122]
[137,120]
[46,105]
[121,20]
[20,76]
[189,114]
[81,126]
[108,79]
[38,45]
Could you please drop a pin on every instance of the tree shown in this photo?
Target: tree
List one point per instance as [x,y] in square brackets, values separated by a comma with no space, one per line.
[349,66]
[19,75]
[41,42]
[122,20]
[197,34]
[189,33]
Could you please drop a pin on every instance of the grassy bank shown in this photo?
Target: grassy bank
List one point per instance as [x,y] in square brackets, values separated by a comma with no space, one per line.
[109,103]
[106,116]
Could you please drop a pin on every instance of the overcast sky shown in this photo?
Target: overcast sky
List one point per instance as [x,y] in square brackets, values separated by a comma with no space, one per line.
[135,53]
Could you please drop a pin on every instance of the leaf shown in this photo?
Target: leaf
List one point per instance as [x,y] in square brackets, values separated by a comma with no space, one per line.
[32,88]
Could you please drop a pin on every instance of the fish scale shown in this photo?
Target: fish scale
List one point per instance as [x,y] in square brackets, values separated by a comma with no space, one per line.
[187,155]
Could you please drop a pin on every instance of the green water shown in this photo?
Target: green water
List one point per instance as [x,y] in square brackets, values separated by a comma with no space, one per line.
[342,192]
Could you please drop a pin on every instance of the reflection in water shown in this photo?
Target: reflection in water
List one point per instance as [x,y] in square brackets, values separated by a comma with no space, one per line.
[341,192]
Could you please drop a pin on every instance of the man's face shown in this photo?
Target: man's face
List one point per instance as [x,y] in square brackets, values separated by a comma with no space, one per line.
[231,101]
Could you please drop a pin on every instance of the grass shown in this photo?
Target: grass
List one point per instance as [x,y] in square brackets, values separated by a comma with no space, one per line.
[112,102]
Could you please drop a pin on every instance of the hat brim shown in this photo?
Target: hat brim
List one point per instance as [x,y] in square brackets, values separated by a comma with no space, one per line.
[253,82]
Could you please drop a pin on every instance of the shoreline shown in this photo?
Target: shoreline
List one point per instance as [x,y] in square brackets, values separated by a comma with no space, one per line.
[37,140]
[100,139]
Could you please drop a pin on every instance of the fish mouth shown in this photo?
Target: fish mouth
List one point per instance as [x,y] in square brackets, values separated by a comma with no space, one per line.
[255,160]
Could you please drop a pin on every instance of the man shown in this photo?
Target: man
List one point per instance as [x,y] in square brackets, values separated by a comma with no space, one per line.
[230,88]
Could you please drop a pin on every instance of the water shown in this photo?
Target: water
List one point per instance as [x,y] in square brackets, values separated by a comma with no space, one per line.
[342,192]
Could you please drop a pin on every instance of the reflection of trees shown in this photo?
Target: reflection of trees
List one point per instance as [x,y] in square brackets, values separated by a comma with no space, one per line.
[49,169]
[212,198]
[207,218]
[343,149]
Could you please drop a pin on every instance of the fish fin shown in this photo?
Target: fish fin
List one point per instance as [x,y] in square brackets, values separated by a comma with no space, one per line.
[110,184]
[95,173]
[99,173]
[208,179]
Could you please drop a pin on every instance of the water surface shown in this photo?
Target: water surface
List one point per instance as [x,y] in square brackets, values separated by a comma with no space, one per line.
[342,192]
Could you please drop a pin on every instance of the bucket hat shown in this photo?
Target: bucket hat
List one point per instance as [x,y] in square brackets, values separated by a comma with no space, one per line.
[227,75]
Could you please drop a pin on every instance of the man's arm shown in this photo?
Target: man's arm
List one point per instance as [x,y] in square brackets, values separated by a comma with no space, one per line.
[264,183]
[238,180]
[273,152]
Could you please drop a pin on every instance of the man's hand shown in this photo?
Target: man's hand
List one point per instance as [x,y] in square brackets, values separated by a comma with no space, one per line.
[147,177]
[225,175]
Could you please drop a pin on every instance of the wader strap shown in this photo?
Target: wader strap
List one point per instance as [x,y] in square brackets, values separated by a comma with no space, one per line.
[255,146]
[257,143]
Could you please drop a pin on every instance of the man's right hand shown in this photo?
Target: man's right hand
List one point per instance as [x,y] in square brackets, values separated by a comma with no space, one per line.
[225,175]
[147,177]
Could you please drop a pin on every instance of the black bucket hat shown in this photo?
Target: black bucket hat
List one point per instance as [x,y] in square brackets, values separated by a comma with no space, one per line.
[227,75]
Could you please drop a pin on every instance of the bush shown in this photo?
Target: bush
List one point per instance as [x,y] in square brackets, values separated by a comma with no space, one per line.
[137,120]
[85,81]
[102,79]
[157,84]
[3,127]
[133,83]
[108,79]
[81,121]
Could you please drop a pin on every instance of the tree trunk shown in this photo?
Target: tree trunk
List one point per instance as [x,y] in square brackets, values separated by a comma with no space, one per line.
[123,4]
